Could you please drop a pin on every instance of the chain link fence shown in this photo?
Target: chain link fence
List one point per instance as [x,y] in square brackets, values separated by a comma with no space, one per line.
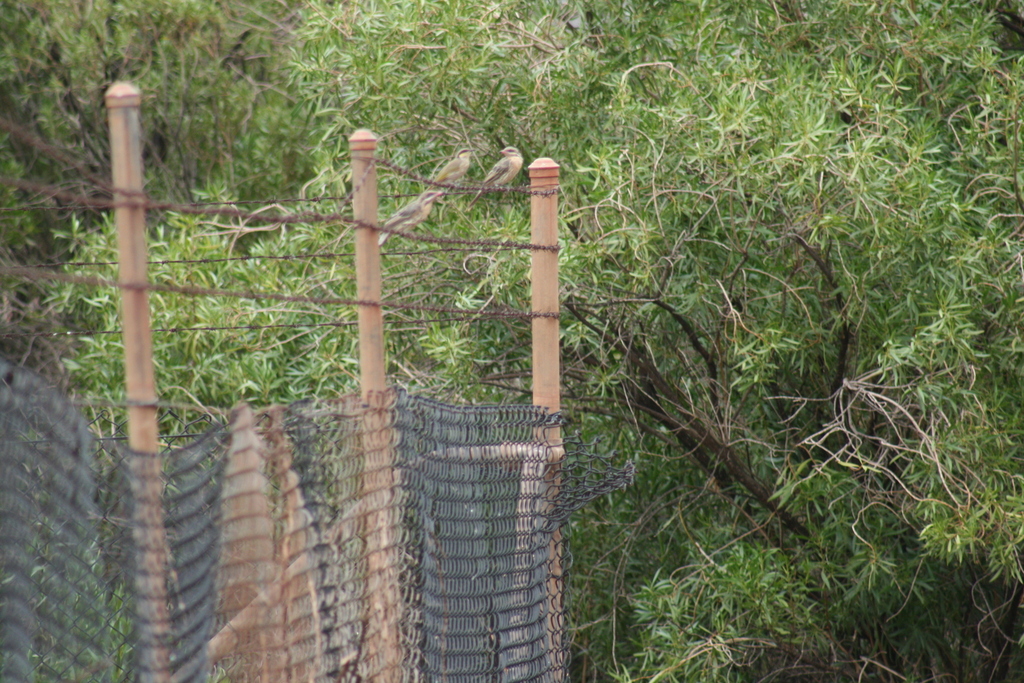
[405,540]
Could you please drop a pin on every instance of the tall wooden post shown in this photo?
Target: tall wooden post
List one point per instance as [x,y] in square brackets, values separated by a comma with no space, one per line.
[123,101]
[363,143]
[381,654]
[544,280]
[547,370]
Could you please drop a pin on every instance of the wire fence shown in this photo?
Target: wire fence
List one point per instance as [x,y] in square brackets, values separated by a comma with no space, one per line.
[322,541]
[66,547]
[143,202]
[268,215]
[377,538]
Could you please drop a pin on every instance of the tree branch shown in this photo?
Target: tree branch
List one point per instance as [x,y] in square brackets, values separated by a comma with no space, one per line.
[844,330]
[1001,665]
[709,452]
[691,334]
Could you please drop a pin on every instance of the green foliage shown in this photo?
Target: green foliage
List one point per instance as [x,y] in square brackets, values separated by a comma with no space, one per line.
[213,108]
[792,231]
[792,275]
[216,114]
[239,359]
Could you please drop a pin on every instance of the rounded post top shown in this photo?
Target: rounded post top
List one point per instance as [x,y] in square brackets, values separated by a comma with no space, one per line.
[543,164]
[362,139]
[543,173]
[543,168]
[122,94]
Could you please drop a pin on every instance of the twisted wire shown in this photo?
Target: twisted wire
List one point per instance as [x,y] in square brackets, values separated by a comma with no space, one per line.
[40,274]
[176,330]
[279,219]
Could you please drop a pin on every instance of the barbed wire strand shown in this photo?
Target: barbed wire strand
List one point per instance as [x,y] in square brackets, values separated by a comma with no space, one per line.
[176,330]
[168,405]
[259,257]
[206,207]
[35,274]
[137,198]
[299,217]
[29,138]
[292,257]
[63,156]
[342,201]
[225,328]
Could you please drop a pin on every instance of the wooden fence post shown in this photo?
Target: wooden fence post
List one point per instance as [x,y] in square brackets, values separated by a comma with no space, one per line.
[123,101]
[547,368]
[544,281]
[381,655]
[363,143]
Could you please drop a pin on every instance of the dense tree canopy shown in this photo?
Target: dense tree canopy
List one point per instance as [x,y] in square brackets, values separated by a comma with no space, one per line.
[793,283]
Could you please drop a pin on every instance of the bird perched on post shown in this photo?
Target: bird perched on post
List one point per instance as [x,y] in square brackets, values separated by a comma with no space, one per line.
[503,172]
[410,215]
[456,168]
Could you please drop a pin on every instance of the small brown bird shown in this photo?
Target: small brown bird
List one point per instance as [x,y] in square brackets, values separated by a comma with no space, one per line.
[410,215]
[503,172]
[456,168]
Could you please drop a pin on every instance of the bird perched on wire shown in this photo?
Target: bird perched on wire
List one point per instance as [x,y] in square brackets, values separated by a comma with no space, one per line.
[456,168]
[410,215]
[503,172]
